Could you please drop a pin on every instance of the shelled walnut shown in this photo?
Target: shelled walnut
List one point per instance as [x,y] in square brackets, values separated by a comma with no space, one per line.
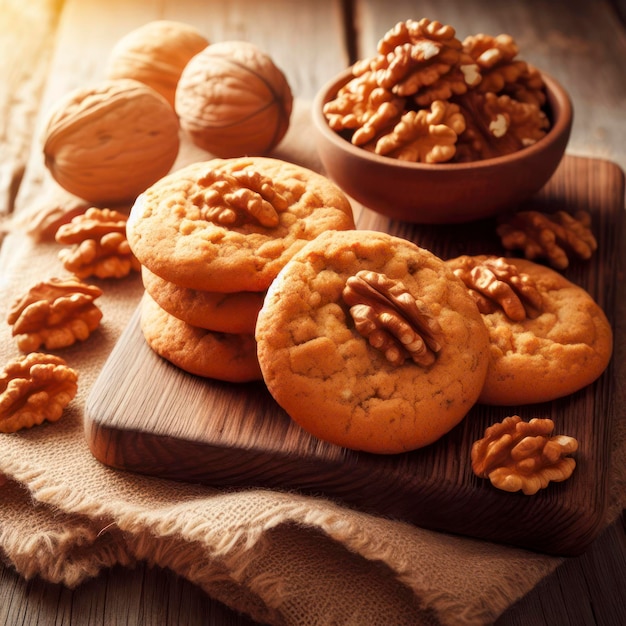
[240,197]
[55,313]
[35,388]
[44,217]
[99,245]
[364,107]
[391,319]
[502,71]
[425,136]
[421,62]
[516,455]
[495,283]
[551,236]
[497,125]
[422,59]
[491,52]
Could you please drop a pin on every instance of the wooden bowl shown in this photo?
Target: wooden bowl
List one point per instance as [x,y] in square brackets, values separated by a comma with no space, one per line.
[442,193]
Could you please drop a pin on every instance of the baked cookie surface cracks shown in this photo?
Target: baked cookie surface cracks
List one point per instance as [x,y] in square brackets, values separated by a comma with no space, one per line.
[230,225]
[557,349]
[328,376]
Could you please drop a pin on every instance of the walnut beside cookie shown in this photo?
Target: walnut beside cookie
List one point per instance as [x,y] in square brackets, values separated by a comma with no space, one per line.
[34,388]
[517,455]
[55,314]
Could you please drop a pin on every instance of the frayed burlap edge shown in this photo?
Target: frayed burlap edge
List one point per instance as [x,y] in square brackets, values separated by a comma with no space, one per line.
[222,564]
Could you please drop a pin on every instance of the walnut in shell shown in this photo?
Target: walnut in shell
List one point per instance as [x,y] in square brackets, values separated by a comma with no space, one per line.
[34,388]
[107,143]
[55,313]
[156,54]
[233,100]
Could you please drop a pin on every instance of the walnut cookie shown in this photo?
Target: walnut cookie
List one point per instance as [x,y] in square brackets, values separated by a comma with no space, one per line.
[224,356]
[549,338]
[229,225]
[221,312]
[370,342]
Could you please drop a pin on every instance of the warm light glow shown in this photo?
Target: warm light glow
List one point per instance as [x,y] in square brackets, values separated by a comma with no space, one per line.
[27,18]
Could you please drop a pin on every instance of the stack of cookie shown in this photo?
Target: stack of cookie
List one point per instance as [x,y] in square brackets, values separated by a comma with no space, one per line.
[193,329]
[211,238]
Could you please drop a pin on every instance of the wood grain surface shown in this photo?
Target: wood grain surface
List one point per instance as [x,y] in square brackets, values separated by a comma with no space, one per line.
[224,434]
[47,46]
[580,42]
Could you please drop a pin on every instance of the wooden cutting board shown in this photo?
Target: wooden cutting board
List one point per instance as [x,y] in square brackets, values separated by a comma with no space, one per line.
[145,415]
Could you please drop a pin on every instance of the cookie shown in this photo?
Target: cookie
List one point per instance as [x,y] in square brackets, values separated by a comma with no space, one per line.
[223,356]
[221,312]
[230,225]
[557,343]
[328,375]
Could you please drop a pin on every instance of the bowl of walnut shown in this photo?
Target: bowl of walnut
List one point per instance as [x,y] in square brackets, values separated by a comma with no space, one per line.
[437,130]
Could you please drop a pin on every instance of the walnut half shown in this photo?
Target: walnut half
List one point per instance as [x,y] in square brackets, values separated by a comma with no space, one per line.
[391,318]
[35,388]
[99,245]
[241,197]
[494,282]
[55,313]
[553,236]
[516,455]
[366,108]
[424,136]
[497,124]
[423,59]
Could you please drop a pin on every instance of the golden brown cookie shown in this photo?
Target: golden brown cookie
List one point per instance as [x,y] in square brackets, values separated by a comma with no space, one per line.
[549,338]
[221,312]
[230,224]
[223,356]
[325,372]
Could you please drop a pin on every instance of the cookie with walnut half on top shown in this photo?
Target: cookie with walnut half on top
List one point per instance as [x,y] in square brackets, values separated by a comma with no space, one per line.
[549,338]
[370,342]
[229,225]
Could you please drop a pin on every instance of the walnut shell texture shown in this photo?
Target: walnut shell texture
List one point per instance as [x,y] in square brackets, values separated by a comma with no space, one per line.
[233,100]
[156,54]
[108,142]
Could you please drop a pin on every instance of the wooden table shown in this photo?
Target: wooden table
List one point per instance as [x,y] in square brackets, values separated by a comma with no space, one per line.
[50,46]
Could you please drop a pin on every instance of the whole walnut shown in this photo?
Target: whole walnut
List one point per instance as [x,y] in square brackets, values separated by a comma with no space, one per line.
[233,100]
[108,142]
[156,54]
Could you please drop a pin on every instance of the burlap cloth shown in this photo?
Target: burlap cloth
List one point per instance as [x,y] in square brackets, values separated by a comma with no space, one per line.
[281,558]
